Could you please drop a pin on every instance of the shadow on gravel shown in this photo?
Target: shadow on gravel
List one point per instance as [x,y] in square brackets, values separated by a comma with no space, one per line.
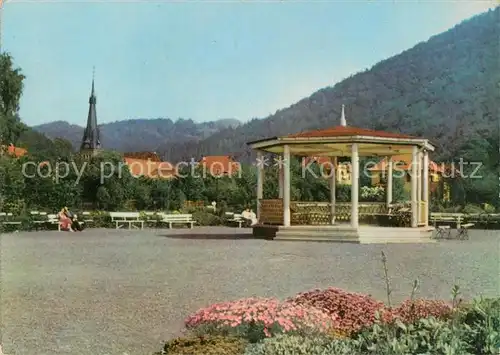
[205,236]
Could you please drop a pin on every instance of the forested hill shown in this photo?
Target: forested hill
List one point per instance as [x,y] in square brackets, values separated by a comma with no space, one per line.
[139,134]
[446,89]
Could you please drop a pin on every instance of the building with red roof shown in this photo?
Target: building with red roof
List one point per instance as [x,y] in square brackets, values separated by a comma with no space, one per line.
[219,165]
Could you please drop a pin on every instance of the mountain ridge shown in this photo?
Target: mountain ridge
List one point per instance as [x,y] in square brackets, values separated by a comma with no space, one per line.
[138,134]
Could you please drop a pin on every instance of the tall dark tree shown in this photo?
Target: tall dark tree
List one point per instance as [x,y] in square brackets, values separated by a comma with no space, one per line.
[11,89]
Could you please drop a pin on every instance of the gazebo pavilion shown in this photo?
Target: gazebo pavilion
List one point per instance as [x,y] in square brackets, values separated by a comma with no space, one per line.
[282,218]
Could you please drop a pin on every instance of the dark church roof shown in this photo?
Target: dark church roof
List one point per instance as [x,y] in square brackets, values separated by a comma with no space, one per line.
[91,139]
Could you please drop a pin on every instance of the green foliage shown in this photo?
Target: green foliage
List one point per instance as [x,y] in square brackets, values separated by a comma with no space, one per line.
[470,209]
[204,345]
[343,193]
[426,336]
[488,208]
[205,218]
[482,317]
[372,194]
[11,89]
[286,344]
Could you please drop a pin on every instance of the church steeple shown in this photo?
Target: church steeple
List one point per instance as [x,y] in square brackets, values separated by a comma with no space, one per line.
[91,141]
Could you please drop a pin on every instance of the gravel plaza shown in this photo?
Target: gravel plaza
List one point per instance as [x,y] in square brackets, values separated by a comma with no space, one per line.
[123,292]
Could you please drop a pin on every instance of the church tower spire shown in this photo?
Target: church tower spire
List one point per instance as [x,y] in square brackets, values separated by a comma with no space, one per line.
[91,142]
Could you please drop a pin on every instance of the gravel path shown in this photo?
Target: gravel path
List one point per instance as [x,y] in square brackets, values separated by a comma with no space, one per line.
[123,292]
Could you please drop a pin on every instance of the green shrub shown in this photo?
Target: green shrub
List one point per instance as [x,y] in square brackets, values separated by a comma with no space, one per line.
[488,208]
[426,336]
[483,318]
[204,218]
[204,345]
[471,209]
[299,345]
[101,219]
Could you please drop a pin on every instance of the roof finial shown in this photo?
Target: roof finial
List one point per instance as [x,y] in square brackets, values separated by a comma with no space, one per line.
[342,117]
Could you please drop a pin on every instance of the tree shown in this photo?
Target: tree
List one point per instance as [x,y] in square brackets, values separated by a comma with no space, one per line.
[11,88]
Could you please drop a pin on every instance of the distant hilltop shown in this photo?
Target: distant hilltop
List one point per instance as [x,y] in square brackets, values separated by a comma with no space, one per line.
[141,134]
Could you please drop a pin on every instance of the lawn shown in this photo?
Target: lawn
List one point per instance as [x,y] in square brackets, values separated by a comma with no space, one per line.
[123,292]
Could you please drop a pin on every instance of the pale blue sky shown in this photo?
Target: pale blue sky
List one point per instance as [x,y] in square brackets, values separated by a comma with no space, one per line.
[204,60]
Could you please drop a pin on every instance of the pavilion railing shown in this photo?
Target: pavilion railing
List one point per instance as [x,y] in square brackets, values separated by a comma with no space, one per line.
[271,211]
[315,213]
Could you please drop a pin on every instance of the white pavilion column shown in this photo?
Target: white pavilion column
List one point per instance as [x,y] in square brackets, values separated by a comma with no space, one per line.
[280,180]
[286,185]
[333,187]
[414,172]
[425,190]
[419,187]
[260,182]
[354,185]
[388,192]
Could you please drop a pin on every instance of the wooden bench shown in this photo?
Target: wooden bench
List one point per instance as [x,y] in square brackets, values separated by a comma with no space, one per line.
[7,219]
[123,218]
[171,219]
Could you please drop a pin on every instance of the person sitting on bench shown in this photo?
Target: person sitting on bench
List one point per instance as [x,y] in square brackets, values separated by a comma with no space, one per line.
[75,225]
[64,221]
[249,217]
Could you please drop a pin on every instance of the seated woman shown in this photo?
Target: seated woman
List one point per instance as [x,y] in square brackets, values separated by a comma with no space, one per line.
[75,225]
[250,217]
[253,217]
[64,221]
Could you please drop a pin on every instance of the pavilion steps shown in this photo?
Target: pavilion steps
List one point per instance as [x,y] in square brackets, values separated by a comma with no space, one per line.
[346,234]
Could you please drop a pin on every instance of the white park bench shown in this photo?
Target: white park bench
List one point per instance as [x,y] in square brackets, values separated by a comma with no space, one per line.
[235,218]
[86,217]
[7,218]
[53,220]
[39,218]
[171,219]
[133,219]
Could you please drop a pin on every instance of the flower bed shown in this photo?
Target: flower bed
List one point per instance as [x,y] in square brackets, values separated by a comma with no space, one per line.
[337,322]
[257,318]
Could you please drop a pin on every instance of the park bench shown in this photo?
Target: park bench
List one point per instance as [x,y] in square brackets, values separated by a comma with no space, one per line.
[7,219]
[39,219]
[171,219]
[123,218]
[53,220]
[447,218]
[86,217]
[235,218]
